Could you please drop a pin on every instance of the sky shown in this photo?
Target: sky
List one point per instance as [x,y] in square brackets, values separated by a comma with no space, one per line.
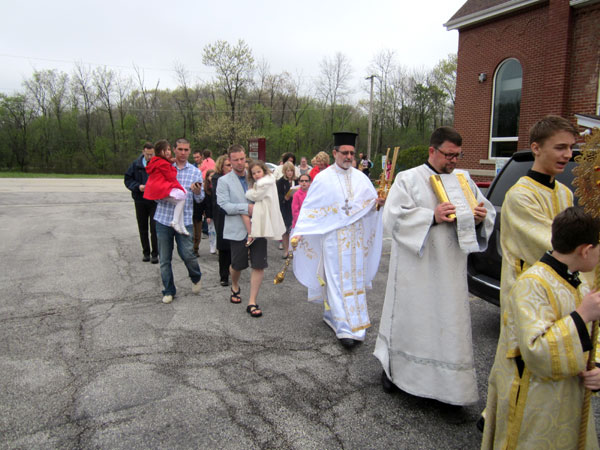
[155,36]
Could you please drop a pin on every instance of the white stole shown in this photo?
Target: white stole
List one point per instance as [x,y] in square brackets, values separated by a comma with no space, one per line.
[465,224]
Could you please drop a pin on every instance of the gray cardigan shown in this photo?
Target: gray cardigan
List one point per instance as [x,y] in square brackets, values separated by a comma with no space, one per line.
[231,197]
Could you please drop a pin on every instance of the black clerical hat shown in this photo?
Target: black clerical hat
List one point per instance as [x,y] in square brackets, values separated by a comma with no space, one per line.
[344,138]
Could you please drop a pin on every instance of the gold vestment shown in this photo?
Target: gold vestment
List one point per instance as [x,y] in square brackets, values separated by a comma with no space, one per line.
[542,407]
[526,227]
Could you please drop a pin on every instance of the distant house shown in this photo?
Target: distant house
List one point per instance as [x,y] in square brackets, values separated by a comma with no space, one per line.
[519,60]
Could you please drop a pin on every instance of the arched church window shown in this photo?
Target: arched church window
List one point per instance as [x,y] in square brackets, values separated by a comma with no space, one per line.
[506,109]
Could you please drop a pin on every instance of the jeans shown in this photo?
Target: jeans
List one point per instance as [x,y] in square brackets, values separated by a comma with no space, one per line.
[144,213]
[166,235]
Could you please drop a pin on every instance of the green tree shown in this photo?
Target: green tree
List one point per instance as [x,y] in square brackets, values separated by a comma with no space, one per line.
[444,76]
[16,115]
[234,66]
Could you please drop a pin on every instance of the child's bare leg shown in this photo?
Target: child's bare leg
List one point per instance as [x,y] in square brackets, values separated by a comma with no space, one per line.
[248,225]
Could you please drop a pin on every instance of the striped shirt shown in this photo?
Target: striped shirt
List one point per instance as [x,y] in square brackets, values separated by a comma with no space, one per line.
[186,177]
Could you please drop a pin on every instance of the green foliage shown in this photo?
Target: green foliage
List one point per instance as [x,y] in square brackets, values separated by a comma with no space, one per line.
[412,157]
[407,159]
[444,74]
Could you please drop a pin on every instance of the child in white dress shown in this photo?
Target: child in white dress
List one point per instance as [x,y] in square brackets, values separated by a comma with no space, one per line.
[266,220]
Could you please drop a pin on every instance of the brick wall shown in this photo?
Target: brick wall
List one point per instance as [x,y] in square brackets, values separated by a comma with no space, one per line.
[558,48]
[585,61]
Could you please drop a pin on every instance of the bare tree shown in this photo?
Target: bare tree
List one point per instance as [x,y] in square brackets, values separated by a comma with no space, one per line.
[333,84]
[263,73]
[148,103]
[123,88]
[186,98]
[383,66]
[105,81]
[84,94]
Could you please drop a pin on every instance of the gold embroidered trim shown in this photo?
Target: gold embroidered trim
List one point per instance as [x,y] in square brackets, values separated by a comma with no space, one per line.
[351,293]
[568,344]
[553,347]
[518,400]
[513,353]
[364,327]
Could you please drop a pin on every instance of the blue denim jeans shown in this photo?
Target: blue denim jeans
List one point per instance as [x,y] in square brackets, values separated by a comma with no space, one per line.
[185,248]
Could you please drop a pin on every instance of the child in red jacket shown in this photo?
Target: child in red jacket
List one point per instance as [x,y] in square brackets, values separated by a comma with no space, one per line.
[162,183]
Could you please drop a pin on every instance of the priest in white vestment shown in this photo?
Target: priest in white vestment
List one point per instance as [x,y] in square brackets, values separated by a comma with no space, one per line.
[424,342]
[339,249]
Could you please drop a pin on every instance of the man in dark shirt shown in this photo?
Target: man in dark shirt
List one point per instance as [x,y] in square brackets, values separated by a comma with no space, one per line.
[135,180]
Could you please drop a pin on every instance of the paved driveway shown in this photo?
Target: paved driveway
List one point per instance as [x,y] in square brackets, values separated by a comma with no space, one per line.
[90,357]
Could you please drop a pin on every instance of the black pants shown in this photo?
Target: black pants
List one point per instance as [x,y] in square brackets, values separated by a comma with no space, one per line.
[224,263]
[144,212]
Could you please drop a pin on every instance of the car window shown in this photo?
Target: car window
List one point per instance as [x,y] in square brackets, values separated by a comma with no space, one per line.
[509,176]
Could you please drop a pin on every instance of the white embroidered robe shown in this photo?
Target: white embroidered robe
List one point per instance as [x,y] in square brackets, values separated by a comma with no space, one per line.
[339,252]
[424,341]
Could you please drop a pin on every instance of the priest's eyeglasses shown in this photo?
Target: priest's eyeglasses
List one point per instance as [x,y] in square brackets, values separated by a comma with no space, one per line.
[450,156]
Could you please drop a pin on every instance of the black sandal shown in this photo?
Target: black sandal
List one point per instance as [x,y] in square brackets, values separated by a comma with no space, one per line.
[252,310]
[235,296]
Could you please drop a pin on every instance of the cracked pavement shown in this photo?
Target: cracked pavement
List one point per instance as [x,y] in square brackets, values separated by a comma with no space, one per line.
[91,358]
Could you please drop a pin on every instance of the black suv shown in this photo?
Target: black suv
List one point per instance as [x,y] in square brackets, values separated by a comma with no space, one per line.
[483,269]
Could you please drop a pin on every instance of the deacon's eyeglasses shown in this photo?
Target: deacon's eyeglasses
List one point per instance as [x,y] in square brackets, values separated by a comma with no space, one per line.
[347,152]
[450,156]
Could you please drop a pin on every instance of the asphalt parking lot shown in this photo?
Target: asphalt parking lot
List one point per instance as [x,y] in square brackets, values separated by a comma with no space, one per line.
[90,357]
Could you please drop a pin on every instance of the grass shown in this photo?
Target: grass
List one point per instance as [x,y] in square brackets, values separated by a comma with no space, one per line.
[52,175]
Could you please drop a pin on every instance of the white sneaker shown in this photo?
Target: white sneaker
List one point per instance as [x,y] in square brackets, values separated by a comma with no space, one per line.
[167,299]
[196,287]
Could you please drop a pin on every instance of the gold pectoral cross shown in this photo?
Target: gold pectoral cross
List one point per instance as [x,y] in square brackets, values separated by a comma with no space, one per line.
[346,208]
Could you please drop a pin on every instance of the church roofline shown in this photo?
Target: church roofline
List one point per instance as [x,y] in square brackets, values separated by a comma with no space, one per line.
[588,120]
[490,13]
[502,9]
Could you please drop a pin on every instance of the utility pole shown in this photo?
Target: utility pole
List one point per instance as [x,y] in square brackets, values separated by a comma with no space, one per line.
[370,129]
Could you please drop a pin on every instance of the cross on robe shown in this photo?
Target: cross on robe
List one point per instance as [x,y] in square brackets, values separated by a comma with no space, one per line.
[346,208]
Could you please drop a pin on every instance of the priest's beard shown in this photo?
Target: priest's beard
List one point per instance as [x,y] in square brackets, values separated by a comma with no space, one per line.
[448,167]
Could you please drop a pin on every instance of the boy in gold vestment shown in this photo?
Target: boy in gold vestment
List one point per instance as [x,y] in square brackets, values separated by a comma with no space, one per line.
[534,200]
[539,377]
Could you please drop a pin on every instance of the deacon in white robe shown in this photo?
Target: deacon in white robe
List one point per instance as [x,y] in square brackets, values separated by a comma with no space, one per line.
[424,342]
[339,249]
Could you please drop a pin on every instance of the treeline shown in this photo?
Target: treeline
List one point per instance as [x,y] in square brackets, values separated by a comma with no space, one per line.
[94,120]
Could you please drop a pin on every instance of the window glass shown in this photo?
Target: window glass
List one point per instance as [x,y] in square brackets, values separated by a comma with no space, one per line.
[503,149]
[506,110]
